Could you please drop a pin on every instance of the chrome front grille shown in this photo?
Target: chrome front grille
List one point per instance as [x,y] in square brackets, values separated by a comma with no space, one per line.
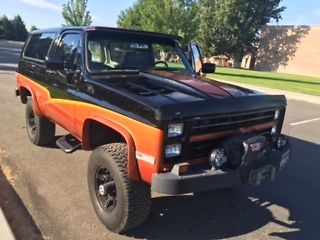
[210,124]
[206,133]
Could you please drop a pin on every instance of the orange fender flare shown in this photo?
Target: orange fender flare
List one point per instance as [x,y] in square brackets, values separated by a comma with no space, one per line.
[132,165]
[23,97]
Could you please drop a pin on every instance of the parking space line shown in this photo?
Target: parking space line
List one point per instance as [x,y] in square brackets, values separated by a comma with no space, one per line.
[306,121]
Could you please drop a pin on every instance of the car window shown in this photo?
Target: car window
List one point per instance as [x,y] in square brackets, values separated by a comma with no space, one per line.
[116,54]
[69,48]
[167,57]
[38,45]
[123,52]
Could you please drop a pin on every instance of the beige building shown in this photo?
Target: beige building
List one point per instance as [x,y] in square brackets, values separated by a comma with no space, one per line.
[289,49]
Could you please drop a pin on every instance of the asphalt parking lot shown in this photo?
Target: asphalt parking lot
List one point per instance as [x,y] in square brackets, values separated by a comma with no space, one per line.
[43,192]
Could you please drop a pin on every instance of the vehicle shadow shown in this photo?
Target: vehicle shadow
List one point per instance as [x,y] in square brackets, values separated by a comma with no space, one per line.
[18,217]
[53,145]
[287,208]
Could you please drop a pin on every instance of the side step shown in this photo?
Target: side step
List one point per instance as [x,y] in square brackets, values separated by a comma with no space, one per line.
[68,143]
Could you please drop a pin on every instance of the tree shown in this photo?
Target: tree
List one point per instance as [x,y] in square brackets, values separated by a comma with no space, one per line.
[33,28]
[20,32]
[75,13]
[7,28]
[177,17]
[232,27]
[14,29]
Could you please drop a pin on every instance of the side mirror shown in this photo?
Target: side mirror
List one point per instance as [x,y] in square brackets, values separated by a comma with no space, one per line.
[195,57]
[54,62]
[208,68]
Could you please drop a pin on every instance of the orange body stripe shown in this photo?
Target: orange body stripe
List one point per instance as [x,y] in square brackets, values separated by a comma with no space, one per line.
[72,115]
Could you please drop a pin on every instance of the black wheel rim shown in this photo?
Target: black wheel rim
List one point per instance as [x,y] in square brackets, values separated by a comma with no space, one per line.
[31,123]
[105,189]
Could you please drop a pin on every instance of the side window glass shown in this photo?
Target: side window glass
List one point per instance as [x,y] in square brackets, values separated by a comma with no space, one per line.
[69,48]
[38,45]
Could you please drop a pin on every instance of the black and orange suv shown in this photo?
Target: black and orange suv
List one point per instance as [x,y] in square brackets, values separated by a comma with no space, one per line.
[138,101]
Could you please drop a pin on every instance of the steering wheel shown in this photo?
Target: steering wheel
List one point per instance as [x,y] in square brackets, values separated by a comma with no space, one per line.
[162,62]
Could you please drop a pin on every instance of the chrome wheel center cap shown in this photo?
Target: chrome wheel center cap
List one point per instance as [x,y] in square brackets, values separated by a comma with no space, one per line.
[102,190]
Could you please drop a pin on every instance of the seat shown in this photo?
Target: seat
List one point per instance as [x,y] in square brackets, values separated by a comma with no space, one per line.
[95,66]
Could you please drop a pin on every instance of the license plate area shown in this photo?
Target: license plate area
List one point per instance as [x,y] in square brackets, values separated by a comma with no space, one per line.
[256,176]
[255,149]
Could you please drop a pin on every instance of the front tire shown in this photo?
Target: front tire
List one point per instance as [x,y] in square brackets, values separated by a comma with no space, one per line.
[120,203]
[41,131]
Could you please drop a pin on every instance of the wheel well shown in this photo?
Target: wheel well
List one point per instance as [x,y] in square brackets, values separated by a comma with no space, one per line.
[99,134]
[24,93]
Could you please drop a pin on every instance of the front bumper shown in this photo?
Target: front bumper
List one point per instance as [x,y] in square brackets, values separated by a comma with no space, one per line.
[206,179]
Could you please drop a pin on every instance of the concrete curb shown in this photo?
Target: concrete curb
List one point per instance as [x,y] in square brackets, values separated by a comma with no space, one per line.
[7,72]
[289,95]
[5,230]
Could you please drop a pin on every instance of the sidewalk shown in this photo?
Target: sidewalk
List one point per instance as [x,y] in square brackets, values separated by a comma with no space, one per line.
[289,95]
[5,231]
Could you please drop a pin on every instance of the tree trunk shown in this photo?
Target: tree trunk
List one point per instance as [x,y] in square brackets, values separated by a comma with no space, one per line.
[237,63]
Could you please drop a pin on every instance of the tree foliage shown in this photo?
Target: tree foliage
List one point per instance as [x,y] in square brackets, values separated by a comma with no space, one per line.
[176,17]
[20,32]
[7,28]
[14,29]
[229,27]
[75,13]
[232,27]
[33,28]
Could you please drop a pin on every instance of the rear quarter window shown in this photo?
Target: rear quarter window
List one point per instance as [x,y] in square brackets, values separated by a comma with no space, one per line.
[38,45]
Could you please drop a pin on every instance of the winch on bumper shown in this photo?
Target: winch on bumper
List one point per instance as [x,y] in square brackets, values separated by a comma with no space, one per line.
[259,159]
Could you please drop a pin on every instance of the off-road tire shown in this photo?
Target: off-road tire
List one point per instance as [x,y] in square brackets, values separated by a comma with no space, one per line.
[133,198]
[41,131]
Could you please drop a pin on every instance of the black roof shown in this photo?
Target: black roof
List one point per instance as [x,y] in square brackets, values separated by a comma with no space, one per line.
[111,30]
[56,30]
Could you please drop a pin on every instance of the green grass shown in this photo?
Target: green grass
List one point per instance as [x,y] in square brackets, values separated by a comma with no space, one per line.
[288,82]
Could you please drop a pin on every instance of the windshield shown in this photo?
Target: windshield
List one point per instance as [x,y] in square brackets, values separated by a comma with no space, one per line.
[118,52]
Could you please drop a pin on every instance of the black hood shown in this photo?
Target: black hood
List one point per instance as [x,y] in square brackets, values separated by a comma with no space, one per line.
[164,96]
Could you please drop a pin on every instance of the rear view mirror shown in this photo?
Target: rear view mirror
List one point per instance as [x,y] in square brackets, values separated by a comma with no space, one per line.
[54,62]
[208,68]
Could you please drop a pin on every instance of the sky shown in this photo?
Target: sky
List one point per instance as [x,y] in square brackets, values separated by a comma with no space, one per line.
[47,13]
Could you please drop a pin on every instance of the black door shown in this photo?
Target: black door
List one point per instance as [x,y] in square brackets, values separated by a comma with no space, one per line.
[63,82]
